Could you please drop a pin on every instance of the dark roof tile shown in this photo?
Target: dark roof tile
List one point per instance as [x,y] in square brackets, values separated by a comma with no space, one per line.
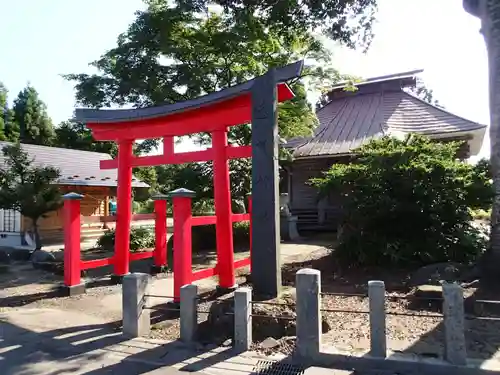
[80,168]
[348,122]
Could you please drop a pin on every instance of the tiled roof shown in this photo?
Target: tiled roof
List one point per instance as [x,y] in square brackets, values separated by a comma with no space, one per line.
[350,121]
[77,167]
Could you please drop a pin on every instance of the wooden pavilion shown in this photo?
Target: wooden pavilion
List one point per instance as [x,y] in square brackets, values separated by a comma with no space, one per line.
[380,106]
[80,173]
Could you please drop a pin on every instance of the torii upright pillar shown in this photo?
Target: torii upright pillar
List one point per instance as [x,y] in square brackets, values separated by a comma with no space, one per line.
[123,210]
[266,255]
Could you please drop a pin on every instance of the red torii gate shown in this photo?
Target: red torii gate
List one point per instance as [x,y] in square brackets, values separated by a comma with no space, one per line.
[212,113]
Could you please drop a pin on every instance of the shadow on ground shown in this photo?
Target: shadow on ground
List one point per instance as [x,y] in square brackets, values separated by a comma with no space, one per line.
[97,350]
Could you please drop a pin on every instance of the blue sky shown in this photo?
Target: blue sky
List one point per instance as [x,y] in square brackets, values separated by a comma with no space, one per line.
[43,39]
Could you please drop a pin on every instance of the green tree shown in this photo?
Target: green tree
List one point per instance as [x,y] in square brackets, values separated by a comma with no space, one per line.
[30,113]
[5,112]
[422,211]
[77,136]
[488,11]
[27,188]
[192,176]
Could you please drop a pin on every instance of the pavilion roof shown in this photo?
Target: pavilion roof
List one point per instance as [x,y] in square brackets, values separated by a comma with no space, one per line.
[77,167]
[380,107]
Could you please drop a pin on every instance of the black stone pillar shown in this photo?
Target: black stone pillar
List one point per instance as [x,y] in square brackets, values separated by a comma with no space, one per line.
[266,259]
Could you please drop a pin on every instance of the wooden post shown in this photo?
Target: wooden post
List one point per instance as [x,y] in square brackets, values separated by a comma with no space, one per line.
[160,252]
[72,228]
[182,239]
[224,226]
[168,146]
[123,210]
[106,209]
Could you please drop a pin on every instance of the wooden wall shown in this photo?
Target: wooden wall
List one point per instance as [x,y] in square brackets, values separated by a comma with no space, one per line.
[301,194]
[304,202]
[94,203]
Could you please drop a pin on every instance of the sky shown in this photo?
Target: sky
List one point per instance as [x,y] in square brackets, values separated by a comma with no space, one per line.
[44,39]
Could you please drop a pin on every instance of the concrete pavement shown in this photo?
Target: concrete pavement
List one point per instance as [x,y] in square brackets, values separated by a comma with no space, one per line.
[56,342]
[50,342]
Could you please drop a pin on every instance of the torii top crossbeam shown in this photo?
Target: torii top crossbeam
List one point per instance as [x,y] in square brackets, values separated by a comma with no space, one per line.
[228,107]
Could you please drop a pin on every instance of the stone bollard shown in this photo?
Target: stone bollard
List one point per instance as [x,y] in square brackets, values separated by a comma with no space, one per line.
[243,319]
[376,296]
[309,332]
[136,318]
[188,313]
[455,350]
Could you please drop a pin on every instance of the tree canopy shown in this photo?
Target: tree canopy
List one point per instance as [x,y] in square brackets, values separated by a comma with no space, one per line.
[346,21]
[5,112]
[30,115]
[8,128]
[77,136]
[27,120]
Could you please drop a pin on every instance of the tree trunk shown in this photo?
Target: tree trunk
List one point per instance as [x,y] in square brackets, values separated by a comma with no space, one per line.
[38,240]
[489,13]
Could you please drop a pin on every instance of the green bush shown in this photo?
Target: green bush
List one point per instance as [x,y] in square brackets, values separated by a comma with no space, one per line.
[204,237]
[407,202]
[140,238]
[203,207]
[136,207]
[147,207]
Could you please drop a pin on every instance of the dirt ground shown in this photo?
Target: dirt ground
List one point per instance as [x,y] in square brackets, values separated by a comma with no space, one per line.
[26,288]
[22,286]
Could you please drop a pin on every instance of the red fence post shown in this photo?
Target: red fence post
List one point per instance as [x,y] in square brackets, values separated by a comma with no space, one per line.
[182,239]
[123,210]
[223,211]
[250,225]
[160,253]
[72,228]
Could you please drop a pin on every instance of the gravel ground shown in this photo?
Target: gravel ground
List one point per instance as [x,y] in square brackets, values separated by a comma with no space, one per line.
[415,329]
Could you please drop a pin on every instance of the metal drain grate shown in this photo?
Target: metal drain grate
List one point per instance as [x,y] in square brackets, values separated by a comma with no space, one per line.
[277,368]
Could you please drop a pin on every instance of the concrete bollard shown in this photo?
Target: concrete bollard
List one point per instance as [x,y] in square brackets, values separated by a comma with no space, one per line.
[188,312]
[309,332]
[243,319]
[376,296]
[455,350]
[136,319]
